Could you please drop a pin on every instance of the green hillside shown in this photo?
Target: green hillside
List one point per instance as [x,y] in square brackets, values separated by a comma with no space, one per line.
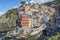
[8,20]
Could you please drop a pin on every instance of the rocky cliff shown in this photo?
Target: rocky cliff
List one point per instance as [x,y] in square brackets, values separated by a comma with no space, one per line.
[7,20]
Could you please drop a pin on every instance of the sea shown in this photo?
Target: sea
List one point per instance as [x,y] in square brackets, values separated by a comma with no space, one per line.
[3,36]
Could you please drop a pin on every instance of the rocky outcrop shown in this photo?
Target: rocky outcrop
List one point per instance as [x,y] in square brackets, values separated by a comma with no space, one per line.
[8,20]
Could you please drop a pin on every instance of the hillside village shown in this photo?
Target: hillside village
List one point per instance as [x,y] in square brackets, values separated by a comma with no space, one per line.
[38,16]
[41,20]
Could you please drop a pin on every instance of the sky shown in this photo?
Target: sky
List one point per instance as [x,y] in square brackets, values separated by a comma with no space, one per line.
[5,5]
[42,1]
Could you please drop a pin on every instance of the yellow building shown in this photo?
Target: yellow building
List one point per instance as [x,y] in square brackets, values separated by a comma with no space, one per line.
[30,22]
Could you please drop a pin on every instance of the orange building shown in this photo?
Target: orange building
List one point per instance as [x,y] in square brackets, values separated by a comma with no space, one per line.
[26,7]
[24,21]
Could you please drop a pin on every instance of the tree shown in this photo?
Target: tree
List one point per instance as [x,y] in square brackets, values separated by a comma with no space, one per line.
[11,12]
[57,1]
[23,2]
[50,3]
[58,5]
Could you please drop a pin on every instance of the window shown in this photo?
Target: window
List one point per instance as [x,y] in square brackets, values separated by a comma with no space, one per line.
[58,16]
[58,25]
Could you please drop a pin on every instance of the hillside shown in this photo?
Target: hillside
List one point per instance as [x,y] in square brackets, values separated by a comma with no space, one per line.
[7,20]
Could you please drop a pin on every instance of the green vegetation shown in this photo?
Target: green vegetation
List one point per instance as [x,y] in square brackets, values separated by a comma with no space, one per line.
[54,37]
[51,3]
[57,1]
[11,12]
[8,20]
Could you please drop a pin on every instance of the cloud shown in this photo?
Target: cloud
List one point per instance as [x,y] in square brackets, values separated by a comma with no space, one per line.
[41,1]
[1,13]
[15,7]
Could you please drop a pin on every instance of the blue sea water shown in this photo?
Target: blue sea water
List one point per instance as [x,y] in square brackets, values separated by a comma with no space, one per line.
[3,37]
